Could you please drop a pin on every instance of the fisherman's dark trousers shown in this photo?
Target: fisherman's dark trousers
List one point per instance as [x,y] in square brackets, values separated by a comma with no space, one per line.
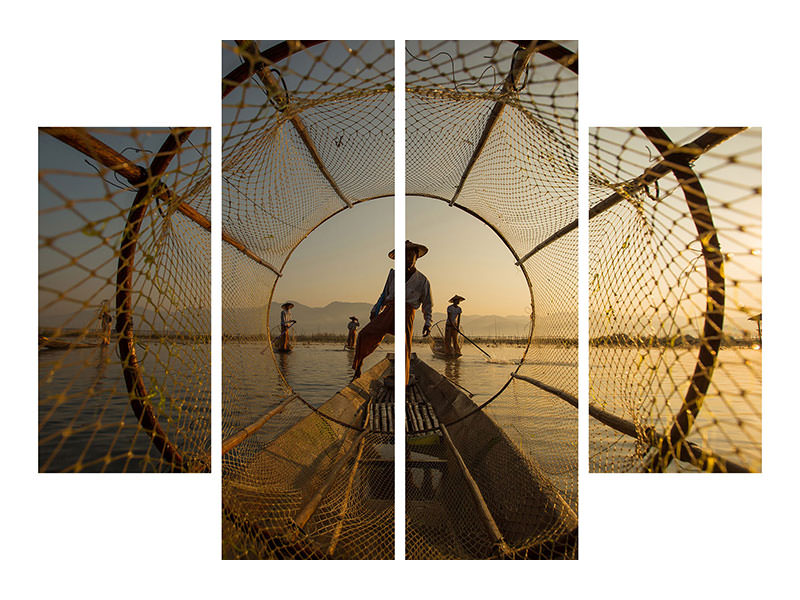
[451,340]
[372,333]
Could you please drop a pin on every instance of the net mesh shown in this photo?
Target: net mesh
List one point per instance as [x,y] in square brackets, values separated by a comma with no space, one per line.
[308,130]
[124,296]
[492,130]
[675,299]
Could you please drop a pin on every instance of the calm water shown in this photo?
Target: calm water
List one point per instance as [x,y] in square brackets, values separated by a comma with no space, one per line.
[482,376]
[82,393]
[318,370]
[630,382]
[252,387]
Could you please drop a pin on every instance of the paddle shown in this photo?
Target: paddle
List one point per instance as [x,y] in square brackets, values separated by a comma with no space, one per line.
[473,343]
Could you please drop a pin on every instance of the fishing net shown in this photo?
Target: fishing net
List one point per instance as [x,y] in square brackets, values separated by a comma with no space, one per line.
[308,131]
[124,297]
[491,129]
[675,299]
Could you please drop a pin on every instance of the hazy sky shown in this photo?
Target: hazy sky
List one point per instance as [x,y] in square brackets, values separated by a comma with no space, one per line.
[465,257]
[344,259]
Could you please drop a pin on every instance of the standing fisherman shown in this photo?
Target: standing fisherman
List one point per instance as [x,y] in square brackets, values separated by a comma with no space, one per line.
[418,293]
[351,333]
[453,326]
[105,324]
[286,323]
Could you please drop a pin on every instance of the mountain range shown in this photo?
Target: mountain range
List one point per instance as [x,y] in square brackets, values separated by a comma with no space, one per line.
[334,317]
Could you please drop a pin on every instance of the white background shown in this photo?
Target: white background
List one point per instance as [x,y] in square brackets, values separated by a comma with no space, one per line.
[158,64]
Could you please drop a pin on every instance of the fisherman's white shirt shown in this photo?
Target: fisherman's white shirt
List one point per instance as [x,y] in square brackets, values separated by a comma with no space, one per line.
[453,313]
[418,293]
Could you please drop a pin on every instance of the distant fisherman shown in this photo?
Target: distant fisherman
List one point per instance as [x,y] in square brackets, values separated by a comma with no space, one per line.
[453,326]
[105,322]
[418,292]
[286,323]
[352,326]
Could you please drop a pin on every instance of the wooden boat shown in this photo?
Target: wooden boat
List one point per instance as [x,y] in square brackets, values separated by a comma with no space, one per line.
[278,347]
[46,343]
[470,491]
[438,348]
[324,488]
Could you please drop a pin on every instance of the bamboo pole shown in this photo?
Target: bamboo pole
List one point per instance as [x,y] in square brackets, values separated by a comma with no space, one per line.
[234,440]
[268,79]
[253,63]
[87,144]
[554,52]
[699,146]
[691,453]
[548,388]
[484,513]
[509,86]
[137,176]
[688,451]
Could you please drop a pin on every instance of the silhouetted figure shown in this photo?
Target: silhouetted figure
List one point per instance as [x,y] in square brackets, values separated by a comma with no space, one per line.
[105,323]
[352,327]
[453,326]
[418,293]
[286,324]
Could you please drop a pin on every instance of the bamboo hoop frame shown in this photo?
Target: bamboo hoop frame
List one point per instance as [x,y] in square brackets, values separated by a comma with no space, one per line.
[680,161]
[127,350]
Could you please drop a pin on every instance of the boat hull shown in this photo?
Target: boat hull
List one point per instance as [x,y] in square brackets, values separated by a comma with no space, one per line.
[264,499]
[533,519]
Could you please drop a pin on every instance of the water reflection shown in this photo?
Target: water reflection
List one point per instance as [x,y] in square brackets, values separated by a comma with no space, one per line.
[452,369]
[283,364]
[85,418]
[102,363]
[317,370]
[729,422]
